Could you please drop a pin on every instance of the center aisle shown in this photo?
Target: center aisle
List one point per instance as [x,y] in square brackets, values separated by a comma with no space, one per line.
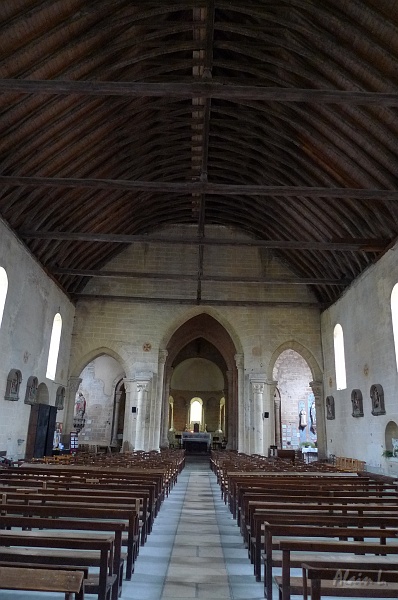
[195,549]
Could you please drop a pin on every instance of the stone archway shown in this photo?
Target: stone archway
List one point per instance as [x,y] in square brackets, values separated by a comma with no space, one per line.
[302,420]
[204,337]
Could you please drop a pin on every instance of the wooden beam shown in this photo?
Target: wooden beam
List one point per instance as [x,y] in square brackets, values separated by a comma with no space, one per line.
[201,187]
[354,245]
[194,89]
[193,301]
[193,277]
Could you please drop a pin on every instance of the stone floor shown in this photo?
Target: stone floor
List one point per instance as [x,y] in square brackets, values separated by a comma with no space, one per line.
[195,549]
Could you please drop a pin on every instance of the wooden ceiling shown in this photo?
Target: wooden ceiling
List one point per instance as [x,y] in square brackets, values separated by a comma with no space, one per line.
[278,118]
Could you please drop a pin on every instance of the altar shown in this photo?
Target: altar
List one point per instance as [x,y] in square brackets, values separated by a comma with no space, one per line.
[193,442]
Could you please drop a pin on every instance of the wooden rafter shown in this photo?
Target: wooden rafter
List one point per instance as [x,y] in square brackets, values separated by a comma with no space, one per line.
[200,187]
[194,89]
[359,245]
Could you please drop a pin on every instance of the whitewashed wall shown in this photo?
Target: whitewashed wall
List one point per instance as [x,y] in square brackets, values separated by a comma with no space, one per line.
[364,313]
[31,304]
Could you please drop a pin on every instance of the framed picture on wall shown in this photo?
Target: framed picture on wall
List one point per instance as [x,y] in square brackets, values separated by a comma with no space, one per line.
[377,397]
[357,403]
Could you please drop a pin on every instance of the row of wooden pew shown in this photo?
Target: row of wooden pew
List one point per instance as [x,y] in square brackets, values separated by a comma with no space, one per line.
[333,525]
[71,518]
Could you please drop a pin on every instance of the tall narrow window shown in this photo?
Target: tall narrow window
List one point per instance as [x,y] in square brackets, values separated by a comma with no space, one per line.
[196,410]
[3,291]
[54,347]
[339,358]
[394,315]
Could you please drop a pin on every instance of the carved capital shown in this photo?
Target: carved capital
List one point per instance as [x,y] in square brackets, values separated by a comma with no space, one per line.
[317,389]
[73,384]
[163,354]
[258,388]
[239,360]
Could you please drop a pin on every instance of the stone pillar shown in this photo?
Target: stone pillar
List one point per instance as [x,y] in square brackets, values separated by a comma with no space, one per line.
[71,391]
[270,423]
[257,386]
[164,441]
[317,389]
[230,414]
[130,418]
[277,420]
[158,402]
[171,409]
[118,395]
[143,387]
[241,403]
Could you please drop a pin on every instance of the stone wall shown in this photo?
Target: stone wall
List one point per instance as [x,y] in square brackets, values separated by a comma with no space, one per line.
[32,302]
[134,331]
[364,312]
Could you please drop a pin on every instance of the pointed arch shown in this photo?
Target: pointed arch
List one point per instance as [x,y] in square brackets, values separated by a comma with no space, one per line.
[306,354]
[207,332]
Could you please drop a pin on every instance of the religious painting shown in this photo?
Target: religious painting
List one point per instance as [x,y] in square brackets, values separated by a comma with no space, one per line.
[330,411]
[357,403]
[377,397]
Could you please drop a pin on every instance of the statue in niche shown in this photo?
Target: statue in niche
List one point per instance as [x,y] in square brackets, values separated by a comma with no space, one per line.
[60,398]
[31,390]
[330,411]
[357,403]
[377,397]
[13,384]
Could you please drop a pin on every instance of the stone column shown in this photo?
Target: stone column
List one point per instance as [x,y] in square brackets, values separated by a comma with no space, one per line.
[270,423]
[164,442]
[130,418]
[230,414]
[317,389]
[71,391]
[171,409]
[277,420]
[257,385]
[158,401]
[241,404]
[143,387]
[118,395]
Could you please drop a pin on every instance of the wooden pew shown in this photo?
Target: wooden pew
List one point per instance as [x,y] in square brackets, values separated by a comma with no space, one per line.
[275,532]
[40,546]
[316,547]
[93,526]
[34,490]
[88,514]
[263,542]
[43,580]
[346,579]
[253,502]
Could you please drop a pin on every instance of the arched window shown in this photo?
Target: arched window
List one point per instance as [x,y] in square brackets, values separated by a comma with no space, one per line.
[339,358]
[394,315]
[54,347]
[3,291]
[196,411]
